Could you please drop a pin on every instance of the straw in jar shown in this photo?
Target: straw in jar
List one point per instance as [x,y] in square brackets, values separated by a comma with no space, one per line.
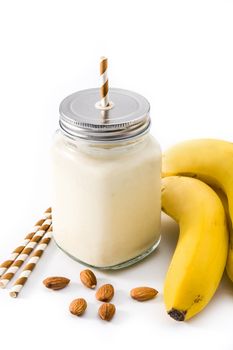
[104,93]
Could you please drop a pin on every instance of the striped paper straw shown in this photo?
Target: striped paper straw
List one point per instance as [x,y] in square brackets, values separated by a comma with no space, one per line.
[23,277]
[104,95]
[5,279]
[7,263]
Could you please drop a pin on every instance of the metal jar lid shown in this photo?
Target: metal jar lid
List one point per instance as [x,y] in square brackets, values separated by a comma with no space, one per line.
[81,117]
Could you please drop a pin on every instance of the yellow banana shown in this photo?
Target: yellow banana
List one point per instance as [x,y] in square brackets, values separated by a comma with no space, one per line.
[200,255]
[209,160]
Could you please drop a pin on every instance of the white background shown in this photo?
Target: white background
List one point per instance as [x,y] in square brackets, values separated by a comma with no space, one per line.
[179,54]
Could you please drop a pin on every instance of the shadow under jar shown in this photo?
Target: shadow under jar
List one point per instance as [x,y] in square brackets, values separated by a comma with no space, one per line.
[106,180]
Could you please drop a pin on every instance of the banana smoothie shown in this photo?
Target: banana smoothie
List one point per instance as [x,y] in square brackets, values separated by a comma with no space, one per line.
[106,180]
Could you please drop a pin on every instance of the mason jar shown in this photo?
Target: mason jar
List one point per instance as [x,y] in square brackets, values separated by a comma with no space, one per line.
[106,177]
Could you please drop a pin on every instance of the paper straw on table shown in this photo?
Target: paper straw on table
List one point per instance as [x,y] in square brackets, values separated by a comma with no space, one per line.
[7,263]
[104,95]
[5,279]
[23,277]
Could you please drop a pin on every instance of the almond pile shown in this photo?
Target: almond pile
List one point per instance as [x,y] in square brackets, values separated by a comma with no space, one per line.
[104,294]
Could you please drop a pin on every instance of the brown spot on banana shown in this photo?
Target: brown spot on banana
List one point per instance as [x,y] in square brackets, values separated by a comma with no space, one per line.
[198,299]
[178,315]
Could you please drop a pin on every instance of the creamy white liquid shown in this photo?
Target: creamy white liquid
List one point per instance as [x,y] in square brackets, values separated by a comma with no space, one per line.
[106,203]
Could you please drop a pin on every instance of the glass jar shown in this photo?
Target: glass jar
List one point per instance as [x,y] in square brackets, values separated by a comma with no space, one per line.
[106,180]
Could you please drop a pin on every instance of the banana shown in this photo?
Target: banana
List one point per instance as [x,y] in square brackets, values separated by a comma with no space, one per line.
[209,160]
[201,252]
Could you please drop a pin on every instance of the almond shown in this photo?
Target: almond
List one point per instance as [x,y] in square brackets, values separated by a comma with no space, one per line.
[88,278]
[78,306]
[143,293]
[56,283]
[105,293]
[107,311]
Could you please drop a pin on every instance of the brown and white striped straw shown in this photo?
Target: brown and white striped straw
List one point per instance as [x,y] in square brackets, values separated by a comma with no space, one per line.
[5,279]
[104,95]
[23,277]
[7,263]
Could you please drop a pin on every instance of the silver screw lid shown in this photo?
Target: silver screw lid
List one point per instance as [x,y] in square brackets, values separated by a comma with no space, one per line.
[126,117]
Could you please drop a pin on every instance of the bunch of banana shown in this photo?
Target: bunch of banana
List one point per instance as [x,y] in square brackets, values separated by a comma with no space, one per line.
[200,256]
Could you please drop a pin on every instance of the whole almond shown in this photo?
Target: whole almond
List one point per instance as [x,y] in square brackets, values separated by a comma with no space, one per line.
[105,293]
[56,283]
[78,306]
[107,311]
[143,293]
[88,278]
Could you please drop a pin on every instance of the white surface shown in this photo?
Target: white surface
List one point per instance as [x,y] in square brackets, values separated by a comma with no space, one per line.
[179,55]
